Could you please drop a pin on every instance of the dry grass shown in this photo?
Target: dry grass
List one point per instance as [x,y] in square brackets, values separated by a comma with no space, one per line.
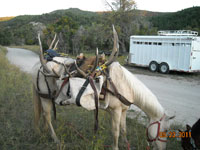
[5,18]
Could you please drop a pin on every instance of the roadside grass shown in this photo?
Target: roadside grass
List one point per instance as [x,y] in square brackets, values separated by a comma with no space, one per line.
[34,48]
[74,125]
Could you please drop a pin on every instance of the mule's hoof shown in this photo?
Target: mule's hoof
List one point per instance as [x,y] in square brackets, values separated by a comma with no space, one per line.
[148,148]
[57,141]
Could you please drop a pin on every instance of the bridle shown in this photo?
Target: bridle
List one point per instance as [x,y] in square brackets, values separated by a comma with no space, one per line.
[158,131]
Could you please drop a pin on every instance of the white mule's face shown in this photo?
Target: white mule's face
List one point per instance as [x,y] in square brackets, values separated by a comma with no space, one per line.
[161,142]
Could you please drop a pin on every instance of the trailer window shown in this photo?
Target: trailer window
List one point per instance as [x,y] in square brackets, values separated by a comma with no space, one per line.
[182,44]
[134,42]
[159,43]
[188,44]
[154,43]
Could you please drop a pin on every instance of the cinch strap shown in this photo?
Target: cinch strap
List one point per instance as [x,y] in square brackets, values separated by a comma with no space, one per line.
[84,86]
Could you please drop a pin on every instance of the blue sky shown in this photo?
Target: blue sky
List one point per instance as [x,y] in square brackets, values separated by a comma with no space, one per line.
[34,7]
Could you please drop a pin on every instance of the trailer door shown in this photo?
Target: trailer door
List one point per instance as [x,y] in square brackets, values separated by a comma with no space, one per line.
[195,58]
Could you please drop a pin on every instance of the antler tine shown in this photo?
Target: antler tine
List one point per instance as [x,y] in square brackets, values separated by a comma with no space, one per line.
[42,60]
[56,45]
[96,62]
[81,71]
[51,45]
[115,51]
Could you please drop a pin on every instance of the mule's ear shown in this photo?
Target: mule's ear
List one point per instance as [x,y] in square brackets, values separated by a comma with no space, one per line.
[103,56]
[180,130]
[188,127]
[169,118]
[81,56]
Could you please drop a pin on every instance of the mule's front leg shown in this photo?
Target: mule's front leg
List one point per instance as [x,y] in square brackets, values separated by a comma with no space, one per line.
[123,126]
[47,105]
[116,115]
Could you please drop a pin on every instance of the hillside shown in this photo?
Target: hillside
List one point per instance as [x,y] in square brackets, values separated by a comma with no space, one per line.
[184,19]
[83,30]
[23,29]
[50,17]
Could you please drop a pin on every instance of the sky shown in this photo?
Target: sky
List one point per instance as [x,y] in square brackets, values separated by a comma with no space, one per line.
[36,7]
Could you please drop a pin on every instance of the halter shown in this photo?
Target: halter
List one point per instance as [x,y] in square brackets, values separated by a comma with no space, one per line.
[158,131]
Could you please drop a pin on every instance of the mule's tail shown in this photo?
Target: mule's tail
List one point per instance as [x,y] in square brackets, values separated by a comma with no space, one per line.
[37,107]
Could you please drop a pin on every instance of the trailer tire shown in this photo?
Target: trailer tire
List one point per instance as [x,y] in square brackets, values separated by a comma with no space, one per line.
[153,66]
[164,68]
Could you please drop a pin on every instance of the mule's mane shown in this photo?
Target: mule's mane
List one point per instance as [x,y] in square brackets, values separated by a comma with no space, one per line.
[135,91]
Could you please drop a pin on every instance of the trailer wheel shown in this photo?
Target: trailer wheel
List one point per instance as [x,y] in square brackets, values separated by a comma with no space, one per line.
[164,68]
[153,66]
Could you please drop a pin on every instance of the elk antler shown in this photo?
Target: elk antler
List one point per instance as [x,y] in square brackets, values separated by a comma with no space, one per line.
[51,45]
[42,60]
[55,45]
[115,50]
[93,69]
[96,62]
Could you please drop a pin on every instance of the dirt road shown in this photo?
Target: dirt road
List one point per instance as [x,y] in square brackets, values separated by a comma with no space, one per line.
[24,59]
[178,93]
[178,97]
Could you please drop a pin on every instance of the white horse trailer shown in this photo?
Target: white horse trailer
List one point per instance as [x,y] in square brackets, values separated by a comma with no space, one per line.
[169,50]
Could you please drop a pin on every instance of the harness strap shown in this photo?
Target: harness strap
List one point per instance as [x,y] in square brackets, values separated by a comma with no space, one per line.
[52,99]
[47,96]
[63,84]
[38,74]
[117,94]
[96,102]
[84,86]
[43,95]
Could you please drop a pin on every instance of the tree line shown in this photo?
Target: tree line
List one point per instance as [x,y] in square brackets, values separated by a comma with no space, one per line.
[84,31]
